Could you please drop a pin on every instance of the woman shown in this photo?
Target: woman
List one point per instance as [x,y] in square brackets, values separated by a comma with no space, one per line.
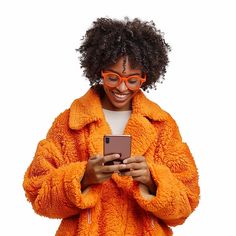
[155,188]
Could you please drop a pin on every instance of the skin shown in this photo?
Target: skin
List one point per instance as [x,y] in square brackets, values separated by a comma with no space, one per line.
[109,102]
[136,167]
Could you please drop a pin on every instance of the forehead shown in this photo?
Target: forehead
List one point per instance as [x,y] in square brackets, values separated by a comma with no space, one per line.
[123,66]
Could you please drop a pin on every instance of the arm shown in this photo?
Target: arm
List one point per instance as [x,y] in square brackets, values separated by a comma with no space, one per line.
[52,181]
[175,175]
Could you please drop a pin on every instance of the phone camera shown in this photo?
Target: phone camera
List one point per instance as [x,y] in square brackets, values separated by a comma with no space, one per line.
[107,140]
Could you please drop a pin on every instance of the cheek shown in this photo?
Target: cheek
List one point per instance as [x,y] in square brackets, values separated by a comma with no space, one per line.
[107,90]
[133,93]
[108,93]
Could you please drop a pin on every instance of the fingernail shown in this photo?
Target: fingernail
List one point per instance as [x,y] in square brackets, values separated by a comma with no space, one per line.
[125,161]
[117,155]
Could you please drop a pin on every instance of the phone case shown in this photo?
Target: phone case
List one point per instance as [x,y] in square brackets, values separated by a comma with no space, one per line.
[120,144]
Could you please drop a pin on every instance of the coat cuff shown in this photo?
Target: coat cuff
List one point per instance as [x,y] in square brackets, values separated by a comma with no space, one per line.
[170,201]
[86,199]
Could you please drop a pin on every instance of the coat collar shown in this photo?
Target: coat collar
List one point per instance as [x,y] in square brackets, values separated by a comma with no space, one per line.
[88,109]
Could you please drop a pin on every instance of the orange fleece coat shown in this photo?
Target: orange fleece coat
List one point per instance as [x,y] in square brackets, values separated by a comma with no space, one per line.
[119,206]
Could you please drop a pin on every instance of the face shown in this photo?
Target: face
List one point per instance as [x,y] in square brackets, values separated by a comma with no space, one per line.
[120,98]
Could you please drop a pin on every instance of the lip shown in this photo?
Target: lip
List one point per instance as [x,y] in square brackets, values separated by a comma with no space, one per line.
[118,98]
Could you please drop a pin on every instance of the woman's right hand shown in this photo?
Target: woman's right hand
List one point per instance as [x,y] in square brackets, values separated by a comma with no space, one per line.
[96,172]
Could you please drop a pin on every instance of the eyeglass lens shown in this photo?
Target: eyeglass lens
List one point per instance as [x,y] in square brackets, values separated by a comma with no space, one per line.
[113,80]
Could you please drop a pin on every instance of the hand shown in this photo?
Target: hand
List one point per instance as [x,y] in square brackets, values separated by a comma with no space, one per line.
[96,172]
[140,172]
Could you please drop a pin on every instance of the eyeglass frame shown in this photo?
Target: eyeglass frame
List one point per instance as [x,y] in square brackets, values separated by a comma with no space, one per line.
[124,79]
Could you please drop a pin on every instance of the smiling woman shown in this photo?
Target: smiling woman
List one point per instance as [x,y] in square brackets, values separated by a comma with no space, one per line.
[156,187]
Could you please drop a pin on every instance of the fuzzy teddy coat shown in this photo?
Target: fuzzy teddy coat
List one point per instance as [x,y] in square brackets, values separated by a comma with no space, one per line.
[119,206]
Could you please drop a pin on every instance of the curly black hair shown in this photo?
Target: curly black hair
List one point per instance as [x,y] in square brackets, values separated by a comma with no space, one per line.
[109,39]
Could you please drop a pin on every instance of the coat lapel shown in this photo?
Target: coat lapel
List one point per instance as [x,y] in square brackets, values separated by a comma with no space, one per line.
[140,125]
[88,110]
[142,132]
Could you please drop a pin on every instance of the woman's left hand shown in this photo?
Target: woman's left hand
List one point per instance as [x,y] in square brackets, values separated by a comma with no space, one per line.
[140,172]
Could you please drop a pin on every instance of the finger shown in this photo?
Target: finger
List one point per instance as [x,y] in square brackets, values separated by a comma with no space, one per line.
[136,166]
[111,157]
[95,157]
[139,179]
[112,168]
[135,159]
[135,173]
[103,159]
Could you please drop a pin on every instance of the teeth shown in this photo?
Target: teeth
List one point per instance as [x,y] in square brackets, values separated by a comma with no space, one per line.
[119,95]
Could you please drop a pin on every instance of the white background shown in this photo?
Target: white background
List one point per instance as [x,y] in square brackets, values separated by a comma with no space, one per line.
[40,76]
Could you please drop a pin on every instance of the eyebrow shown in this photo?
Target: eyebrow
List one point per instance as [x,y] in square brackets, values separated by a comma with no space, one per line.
[120,74]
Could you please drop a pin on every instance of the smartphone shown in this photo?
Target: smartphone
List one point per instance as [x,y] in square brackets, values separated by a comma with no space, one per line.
[120,144]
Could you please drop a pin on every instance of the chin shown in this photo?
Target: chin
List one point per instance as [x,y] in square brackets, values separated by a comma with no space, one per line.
[116,102]
[122,106]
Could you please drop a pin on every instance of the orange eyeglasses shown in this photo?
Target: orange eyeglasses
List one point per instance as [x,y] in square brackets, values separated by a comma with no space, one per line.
[113,80]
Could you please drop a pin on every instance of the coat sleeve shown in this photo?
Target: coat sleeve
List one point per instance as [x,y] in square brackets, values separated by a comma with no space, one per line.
[52,181]
[175,175]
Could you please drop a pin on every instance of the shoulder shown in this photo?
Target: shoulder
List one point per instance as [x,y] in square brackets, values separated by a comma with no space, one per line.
[62,118]
[163,118]
[150,109]
[60,125]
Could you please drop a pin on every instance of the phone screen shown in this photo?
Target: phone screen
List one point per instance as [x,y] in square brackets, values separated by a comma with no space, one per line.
[120,144]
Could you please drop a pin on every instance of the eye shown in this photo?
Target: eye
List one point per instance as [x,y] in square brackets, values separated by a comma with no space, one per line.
[133,80]
[112,77]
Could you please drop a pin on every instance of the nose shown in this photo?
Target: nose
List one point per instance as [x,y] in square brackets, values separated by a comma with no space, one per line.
[122,87]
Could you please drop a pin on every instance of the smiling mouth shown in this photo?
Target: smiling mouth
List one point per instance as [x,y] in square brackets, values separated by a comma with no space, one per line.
[120,97]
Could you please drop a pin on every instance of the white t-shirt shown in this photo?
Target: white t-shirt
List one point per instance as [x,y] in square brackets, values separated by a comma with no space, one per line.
[117,120]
